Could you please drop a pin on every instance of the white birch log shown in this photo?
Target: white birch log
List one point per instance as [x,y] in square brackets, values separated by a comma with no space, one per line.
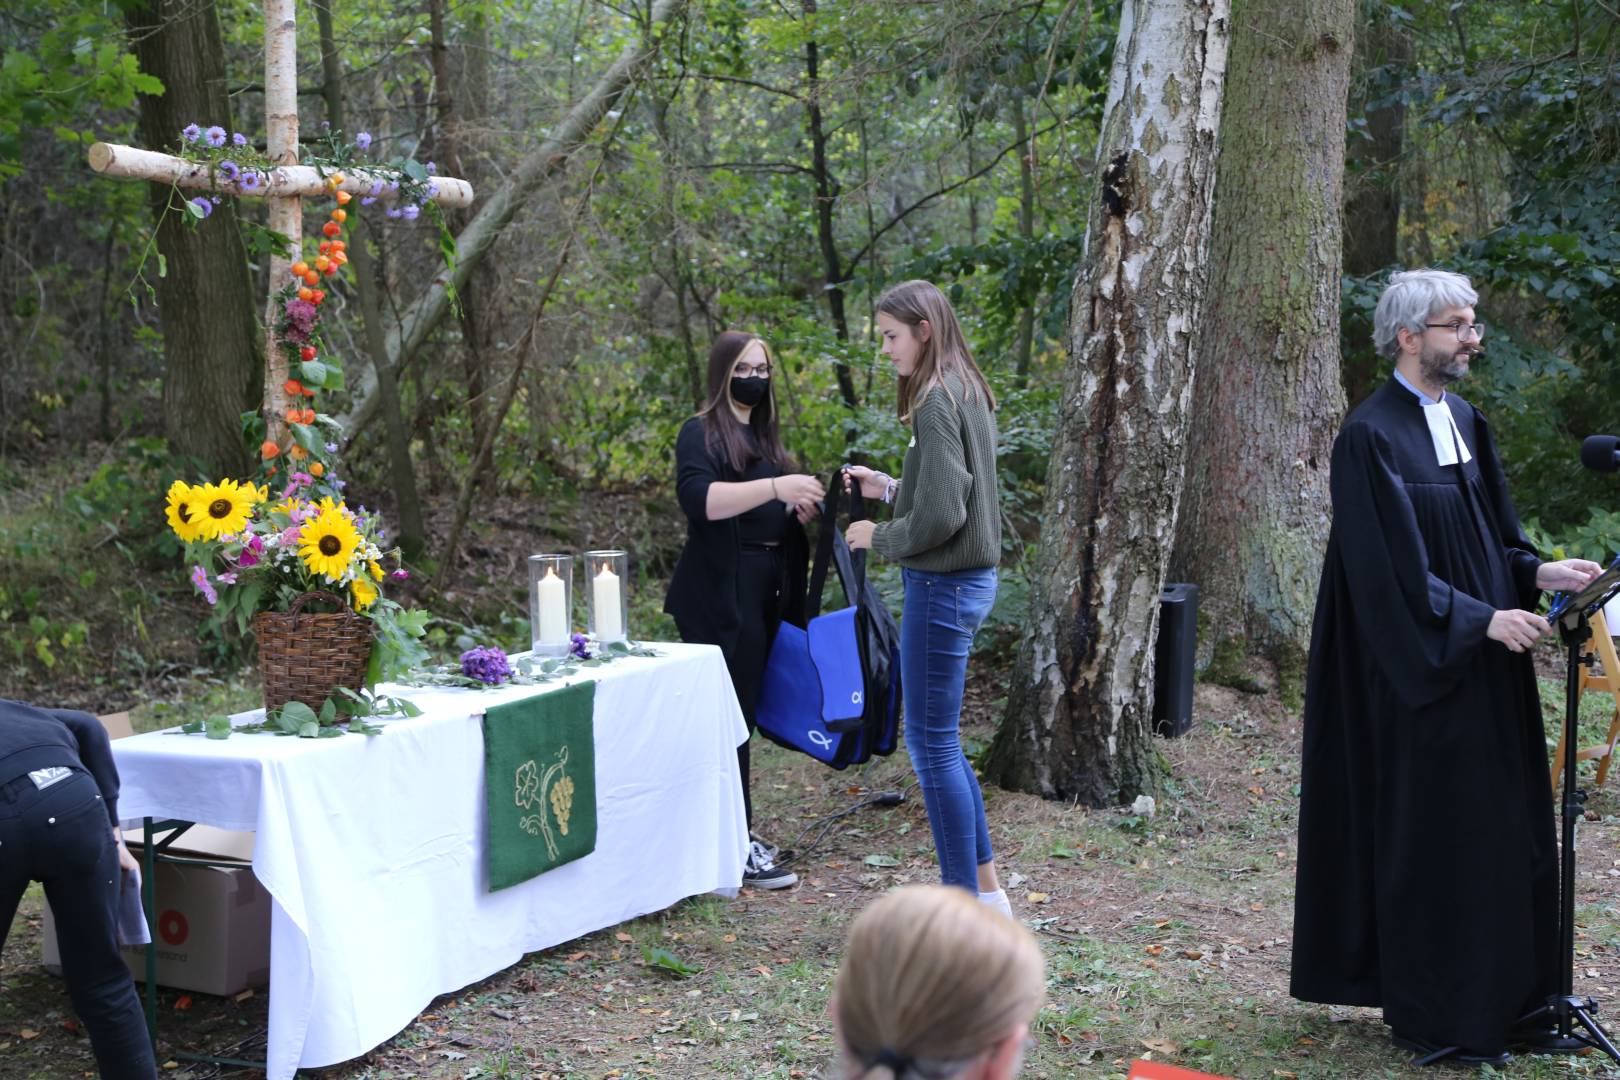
[418,321]
[133,163]
[286,212]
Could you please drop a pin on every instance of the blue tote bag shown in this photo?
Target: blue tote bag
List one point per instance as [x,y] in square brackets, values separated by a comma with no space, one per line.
[832,688]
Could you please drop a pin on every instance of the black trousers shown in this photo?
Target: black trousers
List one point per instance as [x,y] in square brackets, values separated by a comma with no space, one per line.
[61,836]
[759,607]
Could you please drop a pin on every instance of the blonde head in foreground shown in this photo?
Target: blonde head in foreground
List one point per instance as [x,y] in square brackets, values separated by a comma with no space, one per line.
[935,986]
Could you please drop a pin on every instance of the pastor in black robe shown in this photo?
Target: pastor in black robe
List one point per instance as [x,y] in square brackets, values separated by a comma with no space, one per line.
[1427,878]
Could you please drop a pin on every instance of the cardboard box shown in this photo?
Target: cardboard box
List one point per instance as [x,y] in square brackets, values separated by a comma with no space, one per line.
[213,923]
[212,929]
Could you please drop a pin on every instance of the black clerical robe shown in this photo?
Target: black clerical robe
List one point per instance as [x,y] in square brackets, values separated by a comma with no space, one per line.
[1427,879]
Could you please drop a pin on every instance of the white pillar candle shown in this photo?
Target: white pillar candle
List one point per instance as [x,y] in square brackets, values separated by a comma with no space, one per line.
[605,592]
[553,603]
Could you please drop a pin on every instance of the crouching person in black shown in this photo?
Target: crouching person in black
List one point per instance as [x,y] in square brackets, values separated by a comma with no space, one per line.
[59,825]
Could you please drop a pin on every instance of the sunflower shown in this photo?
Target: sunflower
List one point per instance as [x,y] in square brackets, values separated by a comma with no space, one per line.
[365,593]
[327,544]
[185,511]
[226,507]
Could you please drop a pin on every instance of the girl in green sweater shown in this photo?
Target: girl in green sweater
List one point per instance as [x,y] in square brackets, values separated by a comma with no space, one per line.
[946,535]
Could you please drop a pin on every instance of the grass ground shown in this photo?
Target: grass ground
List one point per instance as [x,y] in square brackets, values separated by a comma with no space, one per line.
[1165,937]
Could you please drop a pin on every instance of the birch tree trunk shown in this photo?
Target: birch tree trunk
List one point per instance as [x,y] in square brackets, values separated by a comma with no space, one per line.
[1268,399]
[1079,708]
[211,340]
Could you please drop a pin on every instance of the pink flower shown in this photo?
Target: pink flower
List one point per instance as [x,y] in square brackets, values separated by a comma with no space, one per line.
[290,537]
[199,578]
[251,552]
[400,575]
[227,578]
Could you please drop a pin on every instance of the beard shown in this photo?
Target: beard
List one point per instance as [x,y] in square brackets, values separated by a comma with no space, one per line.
[1442,367]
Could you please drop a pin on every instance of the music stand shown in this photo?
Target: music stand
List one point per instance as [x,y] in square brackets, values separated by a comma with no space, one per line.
[1577,1027]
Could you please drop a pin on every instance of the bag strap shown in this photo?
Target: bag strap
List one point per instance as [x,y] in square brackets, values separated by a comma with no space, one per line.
[833,549]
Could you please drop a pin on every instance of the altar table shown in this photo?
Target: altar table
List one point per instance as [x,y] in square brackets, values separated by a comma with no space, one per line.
[373,847]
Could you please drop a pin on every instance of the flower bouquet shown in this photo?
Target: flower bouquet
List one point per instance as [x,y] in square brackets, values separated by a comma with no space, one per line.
[261,562]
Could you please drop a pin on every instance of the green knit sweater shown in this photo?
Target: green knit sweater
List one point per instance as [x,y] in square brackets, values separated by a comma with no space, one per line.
[947,516]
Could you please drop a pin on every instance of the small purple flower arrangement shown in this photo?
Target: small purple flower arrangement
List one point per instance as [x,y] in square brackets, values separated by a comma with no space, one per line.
[580,648]
[487,665]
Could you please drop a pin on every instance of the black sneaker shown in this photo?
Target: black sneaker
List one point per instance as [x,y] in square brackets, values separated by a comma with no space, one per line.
[772,852]
[761,872]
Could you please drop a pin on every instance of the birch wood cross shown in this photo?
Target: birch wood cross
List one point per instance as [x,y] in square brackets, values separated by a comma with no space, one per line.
[283,188]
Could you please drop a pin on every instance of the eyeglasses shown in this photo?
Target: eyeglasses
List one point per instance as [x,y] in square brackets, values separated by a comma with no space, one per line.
[749,371]
[1461,329]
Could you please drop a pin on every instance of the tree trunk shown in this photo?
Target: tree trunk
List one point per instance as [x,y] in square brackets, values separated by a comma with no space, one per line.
[826,196]
[1079,707]
[213,347]
[1025,344]
[1269,401]
[407,500]
[1372,204]
[474,241]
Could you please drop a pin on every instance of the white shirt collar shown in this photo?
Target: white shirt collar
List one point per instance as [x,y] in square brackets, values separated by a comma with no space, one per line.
[1443,433]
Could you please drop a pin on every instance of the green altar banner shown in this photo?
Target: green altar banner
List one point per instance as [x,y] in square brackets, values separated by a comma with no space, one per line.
[539,783]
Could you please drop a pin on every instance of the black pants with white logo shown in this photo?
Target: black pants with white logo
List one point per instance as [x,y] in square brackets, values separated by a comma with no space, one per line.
[61,836]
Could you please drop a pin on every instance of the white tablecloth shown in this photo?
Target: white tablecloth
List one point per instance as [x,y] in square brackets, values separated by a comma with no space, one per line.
[372,848]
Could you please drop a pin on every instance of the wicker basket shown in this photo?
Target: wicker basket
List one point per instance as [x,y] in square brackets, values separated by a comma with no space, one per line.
[308,657]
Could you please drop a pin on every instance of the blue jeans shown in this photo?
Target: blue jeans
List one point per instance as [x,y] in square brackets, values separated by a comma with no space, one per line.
[941,614]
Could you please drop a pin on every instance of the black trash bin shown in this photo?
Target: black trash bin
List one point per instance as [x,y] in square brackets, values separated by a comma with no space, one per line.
[1174,657]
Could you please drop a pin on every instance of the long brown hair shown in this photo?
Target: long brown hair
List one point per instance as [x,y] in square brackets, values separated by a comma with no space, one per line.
[933,977]
[944,353]
[722,432]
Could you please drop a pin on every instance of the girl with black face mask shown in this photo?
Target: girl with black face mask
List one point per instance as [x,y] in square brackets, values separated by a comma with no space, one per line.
[743,568]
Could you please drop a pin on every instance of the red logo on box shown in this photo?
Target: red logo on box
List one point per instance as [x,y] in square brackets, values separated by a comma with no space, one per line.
[173,928]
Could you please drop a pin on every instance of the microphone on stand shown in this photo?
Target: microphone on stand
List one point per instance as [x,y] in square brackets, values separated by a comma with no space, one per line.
[1601,453]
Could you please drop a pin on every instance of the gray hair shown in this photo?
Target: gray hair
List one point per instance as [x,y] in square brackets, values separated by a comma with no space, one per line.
[1411,298]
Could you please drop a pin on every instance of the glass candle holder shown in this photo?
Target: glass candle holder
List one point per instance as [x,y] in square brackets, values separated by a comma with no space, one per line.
[605,576]
[551,599]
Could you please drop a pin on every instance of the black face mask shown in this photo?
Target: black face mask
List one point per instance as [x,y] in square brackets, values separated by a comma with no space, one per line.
[749,392]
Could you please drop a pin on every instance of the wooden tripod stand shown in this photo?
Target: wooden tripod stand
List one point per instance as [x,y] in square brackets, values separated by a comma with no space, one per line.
[1599,649]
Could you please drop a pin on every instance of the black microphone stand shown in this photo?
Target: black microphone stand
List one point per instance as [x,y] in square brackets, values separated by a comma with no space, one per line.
[1569,1023]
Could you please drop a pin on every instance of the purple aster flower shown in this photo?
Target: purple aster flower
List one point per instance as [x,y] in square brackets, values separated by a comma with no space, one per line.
[301,315]
[339,484]
[431,168]
[250,180]
[486,665]
[393,211]
[580,645]
[238,139]
[201,203]
[363,140]
[229,170]
[433,191]
[216,136]
[393,186]
[410,211]
[199,578]
[331,448]
[191,133]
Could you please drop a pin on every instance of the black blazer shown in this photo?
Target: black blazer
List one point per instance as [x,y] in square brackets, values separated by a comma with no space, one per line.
[703,593]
